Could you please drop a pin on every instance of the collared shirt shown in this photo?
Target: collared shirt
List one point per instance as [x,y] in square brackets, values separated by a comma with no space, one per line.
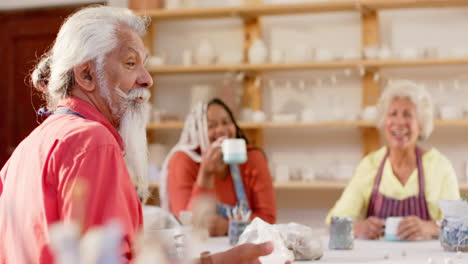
[68,169]
[439,176]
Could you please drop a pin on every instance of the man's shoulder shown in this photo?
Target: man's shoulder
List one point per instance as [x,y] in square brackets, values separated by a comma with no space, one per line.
[87,133]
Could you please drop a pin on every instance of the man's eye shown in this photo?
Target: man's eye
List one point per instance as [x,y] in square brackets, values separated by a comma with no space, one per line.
[131,63]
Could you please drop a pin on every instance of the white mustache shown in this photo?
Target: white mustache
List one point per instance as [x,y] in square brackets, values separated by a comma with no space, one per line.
[138,95]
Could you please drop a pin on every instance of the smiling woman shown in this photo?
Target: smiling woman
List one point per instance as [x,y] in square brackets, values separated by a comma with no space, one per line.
[195,168]
[400,179]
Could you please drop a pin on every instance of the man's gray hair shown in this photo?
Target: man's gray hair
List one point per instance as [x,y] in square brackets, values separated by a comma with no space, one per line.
[87,35]
[418,95]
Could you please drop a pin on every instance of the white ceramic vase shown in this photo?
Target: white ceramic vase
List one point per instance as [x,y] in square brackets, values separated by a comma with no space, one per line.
[258,52]
[205,53]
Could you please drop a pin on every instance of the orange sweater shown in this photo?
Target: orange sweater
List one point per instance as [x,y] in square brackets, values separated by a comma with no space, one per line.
[182,187]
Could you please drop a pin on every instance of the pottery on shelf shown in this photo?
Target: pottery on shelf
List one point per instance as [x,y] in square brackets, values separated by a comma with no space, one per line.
[276,56]
[230,57]
[205,53]
[258,52]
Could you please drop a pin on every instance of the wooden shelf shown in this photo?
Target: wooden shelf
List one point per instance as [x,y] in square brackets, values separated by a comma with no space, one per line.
[165,126]
[370,64]
[451,123]
[255,10]
[264,125]
[252,67]
[405,4]
[413,63]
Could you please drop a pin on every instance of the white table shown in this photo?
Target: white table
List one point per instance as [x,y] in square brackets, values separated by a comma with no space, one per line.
[366,251]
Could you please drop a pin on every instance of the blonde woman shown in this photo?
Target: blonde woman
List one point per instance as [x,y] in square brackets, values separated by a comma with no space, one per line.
[401,178]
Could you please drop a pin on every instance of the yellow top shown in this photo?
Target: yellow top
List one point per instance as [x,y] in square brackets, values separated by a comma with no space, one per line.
[440,182]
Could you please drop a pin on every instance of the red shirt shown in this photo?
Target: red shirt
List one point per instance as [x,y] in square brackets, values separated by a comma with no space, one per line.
[183,190]
[37,184]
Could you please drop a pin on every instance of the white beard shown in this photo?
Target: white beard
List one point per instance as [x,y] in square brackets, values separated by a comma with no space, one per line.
[133,123]
[134,117]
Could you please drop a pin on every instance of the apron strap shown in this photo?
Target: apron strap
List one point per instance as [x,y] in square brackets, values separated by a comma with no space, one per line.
[242,201]
[375,188]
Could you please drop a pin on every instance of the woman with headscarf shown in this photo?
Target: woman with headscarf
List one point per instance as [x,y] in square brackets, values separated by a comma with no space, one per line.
[401,178]
[194,167]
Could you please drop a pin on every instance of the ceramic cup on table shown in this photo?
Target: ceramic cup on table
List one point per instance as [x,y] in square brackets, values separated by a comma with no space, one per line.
[391,228]
[234,150]
[341,233]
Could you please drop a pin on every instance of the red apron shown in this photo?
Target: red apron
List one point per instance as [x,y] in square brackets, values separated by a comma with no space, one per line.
[382,207]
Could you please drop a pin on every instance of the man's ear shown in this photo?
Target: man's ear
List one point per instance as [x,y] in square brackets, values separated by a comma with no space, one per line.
[85,76]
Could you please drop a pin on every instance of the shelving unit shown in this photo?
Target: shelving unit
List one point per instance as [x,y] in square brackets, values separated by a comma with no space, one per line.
[250,13]
[252,30]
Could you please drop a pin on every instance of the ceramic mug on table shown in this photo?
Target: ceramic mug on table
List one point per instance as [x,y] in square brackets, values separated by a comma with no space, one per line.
[341,233]
[234,150]
[391,228]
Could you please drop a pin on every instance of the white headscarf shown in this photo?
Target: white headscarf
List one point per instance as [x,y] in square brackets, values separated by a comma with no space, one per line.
[194,135]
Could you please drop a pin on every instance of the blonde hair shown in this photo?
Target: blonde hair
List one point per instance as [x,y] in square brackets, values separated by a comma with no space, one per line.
[418,95]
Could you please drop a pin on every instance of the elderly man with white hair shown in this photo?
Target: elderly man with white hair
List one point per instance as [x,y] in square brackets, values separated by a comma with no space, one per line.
[84,162]
[400,179]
